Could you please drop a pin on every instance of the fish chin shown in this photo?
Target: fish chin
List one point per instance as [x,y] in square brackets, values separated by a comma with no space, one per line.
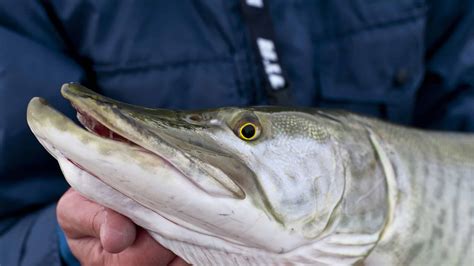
[170,232]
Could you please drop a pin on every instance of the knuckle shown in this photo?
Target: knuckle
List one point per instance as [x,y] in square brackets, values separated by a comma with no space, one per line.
[64,211]
[96,221]
[62,216]
[89,252]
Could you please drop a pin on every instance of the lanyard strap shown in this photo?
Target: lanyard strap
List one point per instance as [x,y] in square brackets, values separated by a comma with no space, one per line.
[257,17]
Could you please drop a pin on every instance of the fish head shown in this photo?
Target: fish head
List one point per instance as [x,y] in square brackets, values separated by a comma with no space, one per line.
[243,176]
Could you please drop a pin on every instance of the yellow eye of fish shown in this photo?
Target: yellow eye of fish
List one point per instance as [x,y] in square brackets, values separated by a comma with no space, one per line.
[248,131]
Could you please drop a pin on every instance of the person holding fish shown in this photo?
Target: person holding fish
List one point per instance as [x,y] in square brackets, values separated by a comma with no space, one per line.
[407,62]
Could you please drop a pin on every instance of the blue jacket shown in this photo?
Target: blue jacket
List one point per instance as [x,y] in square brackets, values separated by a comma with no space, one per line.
[407,61]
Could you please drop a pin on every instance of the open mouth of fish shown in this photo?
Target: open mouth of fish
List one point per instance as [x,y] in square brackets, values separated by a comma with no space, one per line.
[94,126]
[148,172]
[128,125]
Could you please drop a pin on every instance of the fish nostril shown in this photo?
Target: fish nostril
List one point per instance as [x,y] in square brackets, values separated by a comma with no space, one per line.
[195,117]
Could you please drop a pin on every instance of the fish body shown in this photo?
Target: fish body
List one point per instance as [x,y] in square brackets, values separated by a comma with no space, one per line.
[270,185]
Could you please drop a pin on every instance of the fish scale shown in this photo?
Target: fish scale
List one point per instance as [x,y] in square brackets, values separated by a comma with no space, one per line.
[435,173]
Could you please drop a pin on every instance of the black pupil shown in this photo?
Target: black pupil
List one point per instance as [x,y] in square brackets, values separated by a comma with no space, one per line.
[248,131]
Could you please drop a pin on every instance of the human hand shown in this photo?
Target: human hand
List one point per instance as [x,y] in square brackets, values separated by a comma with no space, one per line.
[97,235]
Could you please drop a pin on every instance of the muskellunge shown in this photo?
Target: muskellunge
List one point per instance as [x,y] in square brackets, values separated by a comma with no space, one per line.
[270,185]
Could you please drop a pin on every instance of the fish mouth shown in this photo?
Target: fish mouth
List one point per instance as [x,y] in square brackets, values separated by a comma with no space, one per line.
[142,129]
[157,194]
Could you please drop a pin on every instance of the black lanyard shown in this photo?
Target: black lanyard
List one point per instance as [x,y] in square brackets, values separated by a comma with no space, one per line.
[257,17]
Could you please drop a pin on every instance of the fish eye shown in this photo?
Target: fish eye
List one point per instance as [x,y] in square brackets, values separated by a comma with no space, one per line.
[248,131]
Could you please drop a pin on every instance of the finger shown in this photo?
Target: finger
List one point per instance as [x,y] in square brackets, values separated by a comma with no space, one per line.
[117,232]
[80,218]
[151,252]
[178,262]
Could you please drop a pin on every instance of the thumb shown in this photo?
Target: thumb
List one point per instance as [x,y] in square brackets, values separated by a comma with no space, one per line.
[81,218]
[117,232]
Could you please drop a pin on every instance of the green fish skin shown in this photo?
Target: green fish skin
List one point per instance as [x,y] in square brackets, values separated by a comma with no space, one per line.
[270,185]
